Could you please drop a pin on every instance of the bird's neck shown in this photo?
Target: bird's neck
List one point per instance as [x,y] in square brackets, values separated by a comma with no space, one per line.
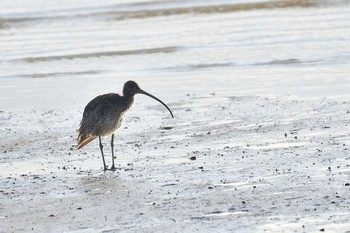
[129,100]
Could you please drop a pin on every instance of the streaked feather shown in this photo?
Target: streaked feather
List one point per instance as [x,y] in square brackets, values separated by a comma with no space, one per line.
[102,116]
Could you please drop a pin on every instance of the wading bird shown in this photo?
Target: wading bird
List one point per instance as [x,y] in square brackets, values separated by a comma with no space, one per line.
[104,114]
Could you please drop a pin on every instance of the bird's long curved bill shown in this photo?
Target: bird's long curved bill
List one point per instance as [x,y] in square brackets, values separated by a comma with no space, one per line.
[152,96]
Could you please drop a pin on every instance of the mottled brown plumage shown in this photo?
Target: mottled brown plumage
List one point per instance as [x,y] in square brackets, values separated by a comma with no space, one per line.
[104,115]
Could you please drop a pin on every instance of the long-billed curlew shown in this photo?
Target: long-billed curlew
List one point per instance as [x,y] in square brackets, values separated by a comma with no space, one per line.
[104,114]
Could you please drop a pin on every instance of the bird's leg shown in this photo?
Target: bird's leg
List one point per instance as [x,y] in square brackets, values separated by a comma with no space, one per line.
[112,148]
[103,157]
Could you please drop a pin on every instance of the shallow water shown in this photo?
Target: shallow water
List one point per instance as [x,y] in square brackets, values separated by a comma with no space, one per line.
[61,54]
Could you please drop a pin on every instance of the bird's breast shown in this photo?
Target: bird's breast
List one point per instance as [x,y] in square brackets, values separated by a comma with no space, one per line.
[120,121]
[111,124]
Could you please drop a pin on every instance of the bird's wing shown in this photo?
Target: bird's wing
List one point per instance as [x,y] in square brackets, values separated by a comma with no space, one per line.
[96,112]
[98,104]
[94,109]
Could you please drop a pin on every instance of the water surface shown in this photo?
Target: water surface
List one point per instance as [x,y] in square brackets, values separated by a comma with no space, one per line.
[68,52]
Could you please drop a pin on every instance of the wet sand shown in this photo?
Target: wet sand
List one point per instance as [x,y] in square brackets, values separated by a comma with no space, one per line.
[238,164]
[259,90]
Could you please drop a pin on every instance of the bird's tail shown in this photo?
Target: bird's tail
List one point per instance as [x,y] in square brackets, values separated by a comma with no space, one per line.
[82,141]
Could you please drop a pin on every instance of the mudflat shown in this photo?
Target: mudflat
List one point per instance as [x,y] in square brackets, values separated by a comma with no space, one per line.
[242,164]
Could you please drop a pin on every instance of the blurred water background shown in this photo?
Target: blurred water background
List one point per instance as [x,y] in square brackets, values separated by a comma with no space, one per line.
[61,54]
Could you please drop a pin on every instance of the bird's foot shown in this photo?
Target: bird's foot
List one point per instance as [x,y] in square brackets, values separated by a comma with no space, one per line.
[112,168]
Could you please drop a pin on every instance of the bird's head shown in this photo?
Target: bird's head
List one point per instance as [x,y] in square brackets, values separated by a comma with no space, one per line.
[131,88]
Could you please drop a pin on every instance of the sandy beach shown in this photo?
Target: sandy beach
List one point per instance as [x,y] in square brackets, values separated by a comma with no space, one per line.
[259,143]
[279,165]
